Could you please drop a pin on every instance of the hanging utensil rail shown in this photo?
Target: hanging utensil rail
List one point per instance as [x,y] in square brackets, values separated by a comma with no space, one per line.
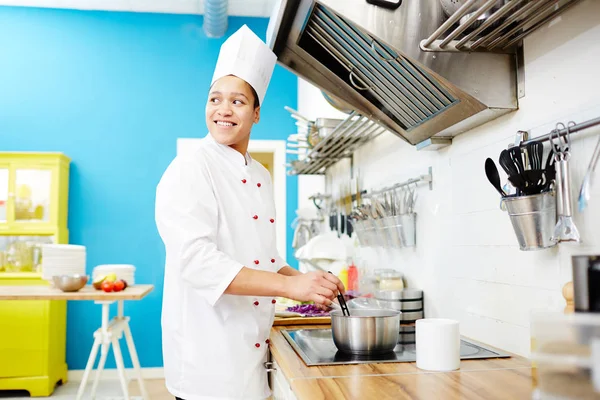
[563,132]
[423,178]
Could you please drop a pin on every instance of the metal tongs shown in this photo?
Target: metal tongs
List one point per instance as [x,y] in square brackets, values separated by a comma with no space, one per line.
[565,229]
[343,306]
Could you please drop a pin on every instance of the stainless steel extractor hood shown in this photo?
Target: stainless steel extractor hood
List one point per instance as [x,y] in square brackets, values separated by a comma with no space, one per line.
[370,58]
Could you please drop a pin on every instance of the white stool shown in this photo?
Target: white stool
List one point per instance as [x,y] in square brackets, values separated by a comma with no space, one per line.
[107,334]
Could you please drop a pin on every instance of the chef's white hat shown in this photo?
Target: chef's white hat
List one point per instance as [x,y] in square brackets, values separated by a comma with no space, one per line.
[246,56]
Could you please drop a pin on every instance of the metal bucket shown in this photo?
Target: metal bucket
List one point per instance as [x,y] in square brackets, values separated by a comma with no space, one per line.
[533,219]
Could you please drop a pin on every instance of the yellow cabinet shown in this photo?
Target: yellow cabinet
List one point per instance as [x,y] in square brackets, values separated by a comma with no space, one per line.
[34,190]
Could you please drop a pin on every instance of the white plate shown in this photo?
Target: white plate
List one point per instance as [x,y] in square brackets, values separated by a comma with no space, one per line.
[287,314]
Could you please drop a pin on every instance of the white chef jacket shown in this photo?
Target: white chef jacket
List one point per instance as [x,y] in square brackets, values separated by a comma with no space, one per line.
[215,214]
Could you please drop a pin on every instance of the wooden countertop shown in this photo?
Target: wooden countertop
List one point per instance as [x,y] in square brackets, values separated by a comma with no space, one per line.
[500,378]
[135,292]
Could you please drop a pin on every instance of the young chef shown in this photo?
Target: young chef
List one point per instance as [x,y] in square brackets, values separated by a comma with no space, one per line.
[215,214]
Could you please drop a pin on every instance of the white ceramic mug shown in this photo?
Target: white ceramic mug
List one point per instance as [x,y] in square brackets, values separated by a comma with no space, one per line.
[437,344]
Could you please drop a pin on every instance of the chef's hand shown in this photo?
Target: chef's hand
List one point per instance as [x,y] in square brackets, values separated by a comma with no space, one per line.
[318,287]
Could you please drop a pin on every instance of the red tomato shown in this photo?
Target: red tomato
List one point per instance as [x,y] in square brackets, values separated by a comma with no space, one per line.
[118,286]
[108,286]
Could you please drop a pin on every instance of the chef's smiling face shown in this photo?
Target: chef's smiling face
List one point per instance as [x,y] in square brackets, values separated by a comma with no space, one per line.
[231,112]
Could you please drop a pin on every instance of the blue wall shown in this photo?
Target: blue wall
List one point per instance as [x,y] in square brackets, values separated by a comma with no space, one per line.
[114,91]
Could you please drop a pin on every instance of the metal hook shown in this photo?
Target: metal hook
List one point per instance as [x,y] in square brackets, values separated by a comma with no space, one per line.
[570,125]
[558,155]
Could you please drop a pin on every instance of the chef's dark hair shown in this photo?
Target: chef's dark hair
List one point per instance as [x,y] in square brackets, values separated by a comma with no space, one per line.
[256,100]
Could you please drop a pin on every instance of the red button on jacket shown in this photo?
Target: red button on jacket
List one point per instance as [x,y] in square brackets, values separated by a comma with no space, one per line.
[272,260]
[243,181]
[256,303]
[272,220]
[267,341]
[255,217]
[256,262]
[258,184]
[257,345]
[273,301]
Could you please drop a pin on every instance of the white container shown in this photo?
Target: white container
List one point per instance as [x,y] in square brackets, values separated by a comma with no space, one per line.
[437,344]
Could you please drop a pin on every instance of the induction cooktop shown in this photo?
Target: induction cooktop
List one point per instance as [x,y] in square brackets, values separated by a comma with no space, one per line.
[316,347]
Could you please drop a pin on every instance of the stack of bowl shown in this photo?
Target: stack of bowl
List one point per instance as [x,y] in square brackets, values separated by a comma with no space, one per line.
[410,303]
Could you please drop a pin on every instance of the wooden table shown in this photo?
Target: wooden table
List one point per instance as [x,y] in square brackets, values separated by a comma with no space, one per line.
[106,335]
[499,378]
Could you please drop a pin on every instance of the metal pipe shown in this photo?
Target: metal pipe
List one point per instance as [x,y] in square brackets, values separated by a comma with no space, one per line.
[538,24]
[563,132]
[422,178]
[215,18]
[524,21]
[513,17]
[472,18]
[449,22]
[493,18]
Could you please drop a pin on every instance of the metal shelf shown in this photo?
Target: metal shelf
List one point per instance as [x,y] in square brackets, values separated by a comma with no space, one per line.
[502,31]
[348,136]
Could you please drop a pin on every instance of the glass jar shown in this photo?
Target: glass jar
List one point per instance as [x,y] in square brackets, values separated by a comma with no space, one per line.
[19,257]
[391,280]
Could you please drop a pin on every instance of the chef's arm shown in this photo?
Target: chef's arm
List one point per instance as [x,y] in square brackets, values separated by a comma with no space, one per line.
[319,287]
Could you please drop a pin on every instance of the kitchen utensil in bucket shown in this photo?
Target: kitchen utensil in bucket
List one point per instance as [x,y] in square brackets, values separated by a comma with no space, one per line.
[533,219]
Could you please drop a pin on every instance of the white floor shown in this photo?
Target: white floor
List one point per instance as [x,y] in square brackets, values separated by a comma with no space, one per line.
[107,390]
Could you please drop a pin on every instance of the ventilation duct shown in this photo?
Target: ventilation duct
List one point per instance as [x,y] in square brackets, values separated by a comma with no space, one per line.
[215,18]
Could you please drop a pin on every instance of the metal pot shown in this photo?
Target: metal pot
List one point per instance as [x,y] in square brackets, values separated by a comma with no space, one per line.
[365,331]
[322,128]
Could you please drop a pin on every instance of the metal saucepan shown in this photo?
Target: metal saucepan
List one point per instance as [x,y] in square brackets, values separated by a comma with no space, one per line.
[365,331]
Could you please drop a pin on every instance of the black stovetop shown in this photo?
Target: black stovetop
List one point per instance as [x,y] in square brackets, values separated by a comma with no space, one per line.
[316,347]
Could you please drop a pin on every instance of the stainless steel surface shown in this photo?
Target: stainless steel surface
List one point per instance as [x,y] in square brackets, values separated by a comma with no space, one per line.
[581,287]
[423,178]
[316,347]
[565,229]
[337,103]
[339,143]
[411,316]
[568,229]
[365,331]
[413,93]
[469,20]
[516,18]
[563,132]
[402,305]
[323,128]
[69,283]
[533,219]
[407,338]
[404,294]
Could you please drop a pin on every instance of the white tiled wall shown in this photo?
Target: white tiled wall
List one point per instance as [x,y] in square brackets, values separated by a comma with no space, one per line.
[467,259]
